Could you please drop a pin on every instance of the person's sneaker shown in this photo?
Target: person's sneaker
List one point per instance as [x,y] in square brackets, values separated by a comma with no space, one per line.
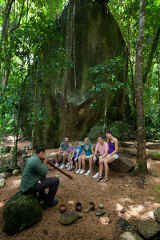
[78,171]
[96,175]
[68,168]
[56,164]
[62,166]
[88,173]
[67,165]
[82,171]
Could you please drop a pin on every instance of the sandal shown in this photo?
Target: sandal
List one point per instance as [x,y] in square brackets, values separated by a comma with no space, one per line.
[100,178]
[106,179]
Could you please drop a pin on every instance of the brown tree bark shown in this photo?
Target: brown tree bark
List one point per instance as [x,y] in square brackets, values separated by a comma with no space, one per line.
[141,153]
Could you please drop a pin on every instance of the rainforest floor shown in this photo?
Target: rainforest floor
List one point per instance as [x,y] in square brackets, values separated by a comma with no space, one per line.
[121,197]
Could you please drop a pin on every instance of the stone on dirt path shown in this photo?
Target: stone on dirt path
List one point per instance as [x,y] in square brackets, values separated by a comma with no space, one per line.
[15,172]
[69,217]
[2,182]
[148,228]
[3,175]
[130,236]
[100,213]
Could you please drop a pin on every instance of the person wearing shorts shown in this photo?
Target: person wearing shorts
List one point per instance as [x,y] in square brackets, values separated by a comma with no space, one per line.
[77,151]
[62,153]
[101,151]
[112,156]
[70,156]
[86,155]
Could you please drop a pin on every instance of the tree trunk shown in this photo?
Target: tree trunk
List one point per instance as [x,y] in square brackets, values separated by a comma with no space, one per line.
[141,154]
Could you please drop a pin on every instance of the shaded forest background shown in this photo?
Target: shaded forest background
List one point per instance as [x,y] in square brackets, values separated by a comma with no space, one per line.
[68,68]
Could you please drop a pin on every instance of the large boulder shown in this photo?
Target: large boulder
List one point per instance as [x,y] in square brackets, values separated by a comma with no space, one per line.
[123,164]
[20,212]
[148,228]
[130,236]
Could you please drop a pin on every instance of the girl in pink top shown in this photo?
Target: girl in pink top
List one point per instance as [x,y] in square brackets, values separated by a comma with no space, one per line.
[101,150]
[101,147]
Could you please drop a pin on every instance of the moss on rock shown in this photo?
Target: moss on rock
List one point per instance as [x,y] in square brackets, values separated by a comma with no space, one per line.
[21,211]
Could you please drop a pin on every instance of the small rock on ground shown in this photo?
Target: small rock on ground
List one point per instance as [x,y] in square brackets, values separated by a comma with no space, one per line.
[2,182]
[68,218]
[130,236]
[15,172]
[157,214]
[3,175]
[148,228]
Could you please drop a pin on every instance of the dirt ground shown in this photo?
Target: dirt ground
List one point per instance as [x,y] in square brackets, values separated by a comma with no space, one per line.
[121,197]
[119,193]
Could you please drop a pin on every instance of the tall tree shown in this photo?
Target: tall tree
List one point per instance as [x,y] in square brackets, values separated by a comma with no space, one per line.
[141,153]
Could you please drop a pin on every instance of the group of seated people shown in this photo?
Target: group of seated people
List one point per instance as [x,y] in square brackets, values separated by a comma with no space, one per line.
[74,156]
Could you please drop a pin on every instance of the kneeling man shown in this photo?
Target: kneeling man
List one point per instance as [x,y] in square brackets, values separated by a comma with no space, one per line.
[34,180]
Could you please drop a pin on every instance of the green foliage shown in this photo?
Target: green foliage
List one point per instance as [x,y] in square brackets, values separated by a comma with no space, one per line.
[27,47]
[122,130]
[104,76]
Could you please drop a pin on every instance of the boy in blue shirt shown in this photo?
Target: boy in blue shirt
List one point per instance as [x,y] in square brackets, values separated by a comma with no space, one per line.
[77,151]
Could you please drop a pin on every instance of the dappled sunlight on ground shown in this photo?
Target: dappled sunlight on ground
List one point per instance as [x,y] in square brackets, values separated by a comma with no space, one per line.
[120,196]
[137,211]
[15,183]
[125,200]
[1,204]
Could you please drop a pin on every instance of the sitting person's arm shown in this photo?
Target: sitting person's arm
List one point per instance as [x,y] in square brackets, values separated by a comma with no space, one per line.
[106,150]
[92,149]
[95,152]
[40,168]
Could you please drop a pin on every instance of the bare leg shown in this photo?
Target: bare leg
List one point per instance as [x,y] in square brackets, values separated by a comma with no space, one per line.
[91,164]
[57,159]
[76,163]
[101,161]
[106,162]
[83,163]
[79,162]
[64,158]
